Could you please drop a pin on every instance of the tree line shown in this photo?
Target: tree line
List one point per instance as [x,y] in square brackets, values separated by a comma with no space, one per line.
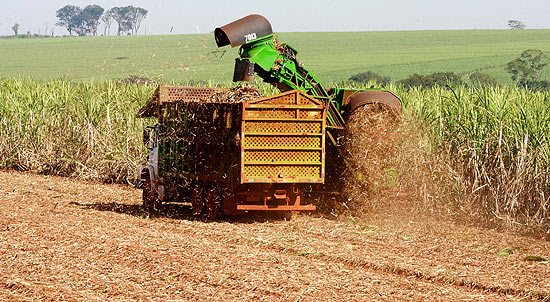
[525,71]
[86,21]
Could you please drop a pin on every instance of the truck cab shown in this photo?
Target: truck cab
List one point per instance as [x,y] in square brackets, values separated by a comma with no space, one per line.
[150,169]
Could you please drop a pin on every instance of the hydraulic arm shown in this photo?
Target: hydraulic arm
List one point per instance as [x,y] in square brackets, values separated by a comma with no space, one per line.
[276,63]
[262,53]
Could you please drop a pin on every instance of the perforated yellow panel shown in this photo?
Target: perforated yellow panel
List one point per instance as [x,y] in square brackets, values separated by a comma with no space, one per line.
[283,127]
[283,156]
[271,113]
[305,99]
[176,93]
[283,139]
[283,172]
[281,99]
[311,114]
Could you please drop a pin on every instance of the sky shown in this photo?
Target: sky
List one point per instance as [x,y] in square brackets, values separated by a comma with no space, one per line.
[184,16]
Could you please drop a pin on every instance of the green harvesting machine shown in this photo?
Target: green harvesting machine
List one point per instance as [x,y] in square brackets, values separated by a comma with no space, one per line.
[275,153]
[276,63]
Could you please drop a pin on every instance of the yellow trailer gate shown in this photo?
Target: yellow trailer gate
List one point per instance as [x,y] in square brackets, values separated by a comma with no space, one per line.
[283,139]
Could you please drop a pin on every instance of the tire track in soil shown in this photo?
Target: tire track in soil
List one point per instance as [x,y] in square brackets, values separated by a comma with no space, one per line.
[395,268]
[400,271]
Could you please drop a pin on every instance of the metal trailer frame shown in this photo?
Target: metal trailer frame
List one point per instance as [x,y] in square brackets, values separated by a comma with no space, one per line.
[259,155]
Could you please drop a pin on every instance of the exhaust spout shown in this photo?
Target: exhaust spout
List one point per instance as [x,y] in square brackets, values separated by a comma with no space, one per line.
[242,31]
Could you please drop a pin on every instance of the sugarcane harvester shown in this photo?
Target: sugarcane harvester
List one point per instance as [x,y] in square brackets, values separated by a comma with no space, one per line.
[276,63]
[260,154]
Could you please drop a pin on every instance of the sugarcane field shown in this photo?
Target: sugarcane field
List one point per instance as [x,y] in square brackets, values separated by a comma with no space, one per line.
[254,162]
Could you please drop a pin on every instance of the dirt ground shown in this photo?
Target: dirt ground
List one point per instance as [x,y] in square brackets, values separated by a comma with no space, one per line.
[67,240]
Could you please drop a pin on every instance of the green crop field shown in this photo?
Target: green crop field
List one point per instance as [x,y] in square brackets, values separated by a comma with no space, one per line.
[332,56]
[496,138]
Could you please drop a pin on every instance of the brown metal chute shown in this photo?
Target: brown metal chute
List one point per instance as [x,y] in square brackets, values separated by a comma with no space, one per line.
[241,31]
[375,97]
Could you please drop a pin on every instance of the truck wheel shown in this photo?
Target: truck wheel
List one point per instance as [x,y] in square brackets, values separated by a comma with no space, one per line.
[151,200]
[214,203]
[384,98]
[197,199]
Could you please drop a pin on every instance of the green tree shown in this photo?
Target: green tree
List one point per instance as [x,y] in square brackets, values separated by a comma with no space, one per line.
[129,18]
[527,67]
[480,79]
[15,29]
[446,78]
[538,85]
[91,15]
[120,15]
[436,78]
[137,14]
[107,19]
[415,80]
[87,20]
[516,24]
[66,15]
[365,77]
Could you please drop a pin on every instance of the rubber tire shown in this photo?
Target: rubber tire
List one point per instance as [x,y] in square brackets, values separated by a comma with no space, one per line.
[151,201]
[197,200]
[363,98]
[214,203]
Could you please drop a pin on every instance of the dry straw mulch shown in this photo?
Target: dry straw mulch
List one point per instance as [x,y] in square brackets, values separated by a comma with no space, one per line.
[63,239]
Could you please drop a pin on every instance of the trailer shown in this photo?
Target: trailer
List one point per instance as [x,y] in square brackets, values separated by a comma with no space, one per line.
[232,157]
